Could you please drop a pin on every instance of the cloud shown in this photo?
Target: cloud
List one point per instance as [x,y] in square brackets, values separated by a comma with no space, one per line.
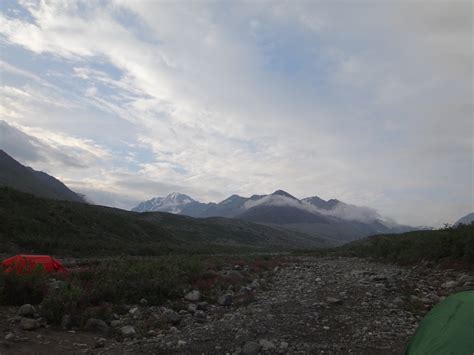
[45,147]
[367,103]
[341,210]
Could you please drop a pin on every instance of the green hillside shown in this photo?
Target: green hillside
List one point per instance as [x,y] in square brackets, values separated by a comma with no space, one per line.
[452,244]
[37,225]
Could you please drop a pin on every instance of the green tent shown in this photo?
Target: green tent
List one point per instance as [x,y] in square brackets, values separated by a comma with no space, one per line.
[447,329]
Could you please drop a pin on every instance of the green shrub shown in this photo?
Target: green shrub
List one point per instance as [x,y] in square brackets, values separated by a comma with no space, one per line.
[17,289]
[65,299]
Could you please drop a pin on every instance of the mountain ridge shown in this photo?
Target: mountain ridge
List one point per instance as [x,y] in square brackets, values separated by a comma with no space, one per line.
[15,175]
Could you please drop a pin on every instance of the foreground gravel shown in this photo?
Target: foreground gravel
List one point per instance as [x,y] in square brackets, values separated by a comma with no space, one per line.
[311,305]
[318,305]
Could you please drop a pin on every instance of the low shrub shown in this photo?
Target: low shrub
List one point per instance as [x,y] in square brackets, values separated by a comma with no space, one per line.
[61,300]
[17,289]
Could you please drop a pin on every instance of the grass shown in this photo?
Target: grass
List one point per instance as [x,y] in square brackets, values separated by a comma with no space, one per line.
[100,286]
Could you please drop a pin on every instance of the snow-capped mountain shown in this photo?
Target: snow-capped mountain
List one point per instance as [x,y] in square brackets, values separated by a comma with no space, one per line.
[332,219]
[173,203]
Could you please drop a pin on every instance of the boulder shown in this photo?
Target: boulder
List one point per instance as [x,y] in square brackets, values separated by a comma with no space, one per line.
[251,348]
[128,331]
[226,300]
[97,326]
[266,345]
[193,296]
[27,310]
[143,301]
[29,324]
[66,322]
[100,343]
[171,316]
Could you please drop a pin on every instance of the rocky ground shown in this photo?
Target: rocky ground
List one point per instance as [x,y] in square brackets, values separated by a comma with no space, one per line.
[312,305]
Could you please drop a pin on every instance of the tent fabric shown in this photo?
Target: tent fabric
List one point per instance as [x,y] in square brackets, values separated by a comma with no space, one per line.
[24,264]
[447,329]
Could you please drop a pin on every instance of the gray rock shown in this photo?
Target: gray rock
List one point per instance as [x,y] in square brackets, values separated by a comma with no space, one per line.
[226,300]
[202,306]
[434,298]
[133,311]
[171,316]
[181,343]
[115,323]
[29,324]
[255,284]
[143,301]
[251,348]
[9,336]
[450,284]
[100,343]
[27,310]
[284,345]
[266,345]
[465,278]
[97,326]
[192,308]
[334,301]
[426,300]
[66,322]
[128,331]
[200,316]
[398,301]
[193,296]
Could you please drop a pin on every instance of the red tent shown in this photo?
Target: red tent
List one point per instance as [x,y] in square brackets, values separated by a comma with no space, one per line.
[24,264]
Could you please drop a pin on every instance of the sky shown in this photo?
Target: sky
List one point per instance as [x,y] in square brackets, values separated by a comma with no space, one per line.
[369,102]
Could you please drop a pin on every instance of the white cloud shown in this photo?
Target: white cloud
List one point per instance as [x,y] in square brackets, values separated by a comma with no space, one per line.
[362,102]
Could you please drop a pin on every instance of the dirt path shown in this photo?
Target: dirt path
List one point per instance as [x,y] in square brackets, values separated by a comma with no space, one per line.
[312,306]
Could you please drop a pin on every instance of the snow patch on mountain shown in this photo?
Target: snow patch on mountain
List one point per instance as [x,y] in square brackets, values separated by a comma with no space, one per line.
[173,203]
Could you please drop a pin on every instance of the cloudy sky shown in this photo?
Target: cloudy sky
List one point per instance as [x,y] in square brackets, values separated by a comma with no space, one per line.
[367,102]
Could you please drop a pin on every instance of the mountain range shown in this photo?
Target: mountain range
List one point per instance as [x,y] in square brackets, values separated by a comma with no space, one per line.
[333,220]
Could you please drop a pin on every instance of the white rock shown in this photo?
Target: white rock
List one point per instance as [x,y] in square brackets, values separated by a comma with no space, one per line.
[193,296]
[128,331]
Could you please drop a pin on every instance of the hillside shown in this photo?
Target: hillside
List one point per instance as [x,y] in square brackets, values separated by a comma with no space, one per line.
[19,177]
[31,224]
[454,244]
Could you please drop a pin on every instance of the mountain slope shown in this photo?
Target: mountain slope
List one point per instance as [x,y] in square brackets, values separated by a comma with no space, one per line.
[17,176]
[37,225]
[450,244]
[467,219]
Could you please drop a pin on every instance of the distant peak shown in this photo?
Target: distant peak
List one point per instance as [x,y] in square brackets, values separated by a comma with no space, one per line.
[283,193]
[174,196]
